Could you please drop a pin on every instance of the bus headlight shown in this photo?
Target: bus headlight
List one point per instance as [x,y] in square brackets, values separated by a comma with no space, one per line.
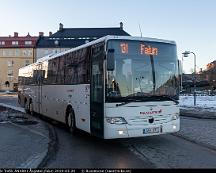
[174,127]
[175,117]
[116,120]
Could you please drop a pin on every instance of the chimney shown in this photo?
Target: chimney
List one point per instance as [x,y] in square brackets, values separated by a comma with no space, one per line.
[41,34]
[60,26]
[121,25]
[15,34]
[50,34]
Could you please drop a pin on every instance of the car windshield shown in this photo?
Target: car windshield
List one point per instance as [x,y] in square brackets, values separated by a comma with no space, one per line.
[142,69]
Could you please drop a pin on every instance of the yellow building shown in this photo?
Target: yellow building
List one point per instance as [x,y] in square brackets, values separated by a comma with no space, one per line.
[15,52]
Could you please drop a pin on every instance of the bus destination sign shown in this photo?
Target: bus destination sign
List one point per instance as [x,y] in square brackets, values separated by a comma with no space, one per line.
[148,50]
[143,49]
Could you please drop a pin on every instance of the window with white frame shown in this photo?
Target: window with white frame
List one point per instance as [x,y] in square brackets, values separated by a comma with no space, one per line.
[28,42]
[5,53]
[2,42]
[27,62]
[27,52]
[15,42]
[10,63]
[17,52]
[10,72]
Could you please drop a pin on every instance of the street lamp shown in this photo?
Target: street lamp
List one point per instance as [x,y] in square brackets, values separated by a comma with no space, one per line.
[182,73]
[186,54]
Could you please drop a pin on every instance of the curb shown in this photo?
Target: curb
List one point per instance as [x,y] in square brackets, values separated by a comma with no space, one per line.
[19,109]
[52,146]
[198,114]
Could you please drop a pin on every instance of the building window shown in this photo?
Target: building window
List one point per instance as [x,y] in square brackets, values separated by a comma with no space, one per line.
[5,53]
[2,42]
[10,63]
[17,52]
[27,53]
[10,72]
[15,42]
[28,42]
[27,62]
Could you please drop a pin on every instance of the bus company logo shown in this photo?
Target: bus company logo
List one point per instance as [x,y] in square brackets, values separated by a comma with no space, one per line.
[151,112]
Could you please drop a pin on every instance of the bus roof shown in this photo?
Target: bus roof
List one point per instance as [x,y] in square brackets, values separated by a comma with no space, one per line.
[106,38]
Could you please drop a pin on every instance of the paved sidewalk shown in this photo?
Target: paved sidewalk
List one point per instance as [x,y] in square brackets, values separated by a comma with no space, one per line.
[198,126]
[24,140]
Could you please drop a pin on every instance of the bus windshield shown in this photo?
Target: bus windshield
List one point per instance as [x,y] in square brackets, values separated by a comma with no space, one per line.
[143,70]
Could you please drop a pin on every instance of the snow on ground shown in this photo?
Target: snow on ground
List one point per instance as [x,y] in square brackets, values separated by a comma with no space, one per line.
[205,102]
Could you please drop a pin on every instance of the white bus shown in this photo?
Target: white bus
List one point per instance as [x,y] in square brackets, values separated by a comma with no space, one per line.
[113,87]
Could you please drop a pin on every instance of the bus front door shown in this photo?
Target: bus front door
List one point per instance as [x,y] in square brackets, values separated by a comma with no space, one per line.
[97,96]
[39,88]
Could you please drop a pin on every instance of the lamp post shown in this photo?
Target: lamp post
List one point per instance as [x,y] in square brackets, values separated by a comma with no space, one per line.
[213,86]
[182,73]
[185,54]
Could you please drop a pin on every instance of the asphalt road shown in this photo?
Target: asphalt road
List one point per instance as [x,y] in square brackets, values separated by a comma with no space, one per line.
[165,151]
[168,151]
[85,151]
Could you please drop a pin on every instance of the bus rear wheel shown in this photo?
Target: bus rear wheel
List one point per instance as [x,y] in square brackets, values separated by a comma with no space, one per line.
[19,100]
[27,107]
[70,121]
[31,110]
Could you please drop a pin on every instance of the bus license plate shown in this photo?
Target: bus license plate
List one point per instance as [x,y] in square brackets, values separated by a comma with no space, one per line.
[151,130]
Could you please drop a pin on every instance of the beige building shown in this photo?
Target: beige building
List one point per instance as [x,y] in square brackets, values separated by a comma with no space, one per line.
[15,52]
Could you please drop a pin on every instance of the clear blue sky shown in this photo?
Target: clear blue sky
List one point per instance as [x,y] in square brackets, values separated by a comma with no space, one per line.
[191,23]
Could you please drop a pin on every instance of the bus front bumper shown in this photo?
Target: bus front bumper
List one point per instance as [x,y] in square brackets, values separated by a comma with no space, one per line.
[112,131]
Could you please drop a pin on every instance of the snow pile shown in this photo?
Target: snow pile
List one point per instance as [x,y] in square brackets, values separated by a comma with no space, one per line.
[203,102]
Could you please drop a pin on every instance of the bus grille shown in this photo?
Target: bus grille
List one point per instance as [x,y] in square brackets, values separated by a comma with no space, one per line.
[145,121]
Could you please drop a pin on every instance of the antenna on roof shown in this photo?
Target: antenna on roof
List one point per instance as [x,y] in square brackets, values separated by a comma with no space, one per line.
[140,30]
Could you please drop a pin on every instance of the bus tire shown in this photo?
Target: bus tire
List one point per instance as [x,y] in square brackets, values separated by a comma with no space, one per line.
[70,121]
[31,109]
[27,107]
[19,100]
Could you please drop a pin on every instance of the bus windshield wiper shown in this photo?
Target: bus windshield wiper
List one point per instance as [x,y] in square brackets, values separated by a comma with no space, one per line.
[170,98]
[129,100]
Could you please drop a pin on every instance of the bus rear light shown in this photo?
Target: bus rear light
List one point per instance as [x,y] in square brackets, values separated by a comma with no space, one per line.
[116,120]
[174,127]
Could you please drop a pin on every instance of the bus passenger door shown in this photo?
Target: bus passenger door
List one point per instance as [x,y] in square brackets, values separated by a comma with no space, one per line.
[39,88]
[97,95]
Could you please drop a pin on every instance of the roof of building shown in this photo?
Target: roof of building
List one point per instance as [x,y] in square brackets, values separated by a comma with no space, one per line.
[88,32]
[47,42]
[73,37]
[18,41]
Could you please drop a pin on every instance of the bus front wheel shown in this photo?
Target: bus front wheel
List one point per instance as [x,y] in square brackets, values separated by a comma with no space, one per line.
[70,121]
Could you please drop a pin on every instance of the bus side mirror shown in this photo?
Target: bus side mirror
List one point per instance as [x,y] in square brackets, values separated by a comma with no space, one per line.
[110,60]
